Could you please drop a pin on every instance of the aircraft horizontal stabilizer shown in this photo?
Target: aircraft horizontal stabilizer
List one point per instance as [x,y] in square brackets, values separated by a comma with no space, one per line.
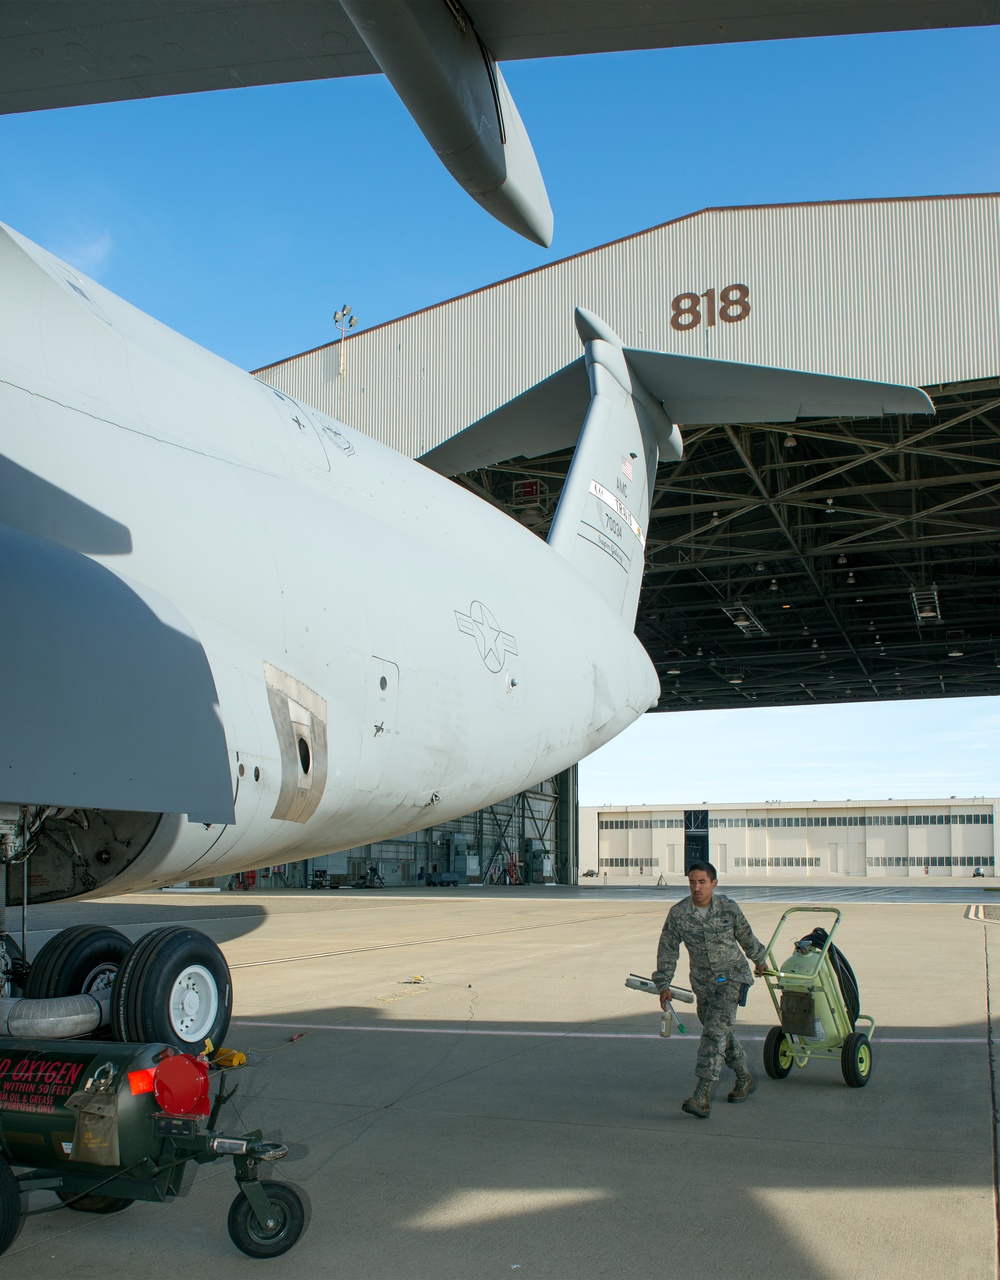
[630,401]
[695,390]
[692,390]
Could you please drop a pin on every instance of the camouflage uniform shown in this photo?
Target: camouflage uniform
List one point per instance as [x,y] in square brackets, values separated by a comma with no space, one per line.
[713,945]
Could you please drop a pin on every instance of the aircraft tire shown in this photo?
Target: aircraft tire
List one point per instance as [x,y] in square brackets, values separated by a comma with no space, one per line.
[80,960]
[251,1237]
[10,1206]
[173,987]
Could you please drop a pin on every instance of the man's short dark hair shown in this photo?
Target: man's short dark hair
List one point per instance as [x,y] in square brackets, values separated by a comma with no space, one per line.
[703,866]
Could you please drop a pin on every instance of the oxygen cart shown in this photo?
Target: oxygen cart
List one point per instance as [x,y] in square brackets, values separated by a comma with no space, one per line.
[815,995]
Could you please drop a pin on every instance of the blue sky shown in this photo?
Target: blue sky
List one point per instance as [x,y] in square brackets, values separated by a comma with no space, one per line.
[245,218]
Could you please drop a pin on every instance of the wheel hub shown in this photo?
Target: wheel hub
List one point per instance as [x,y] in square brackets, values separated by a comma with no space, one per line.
[194,1003]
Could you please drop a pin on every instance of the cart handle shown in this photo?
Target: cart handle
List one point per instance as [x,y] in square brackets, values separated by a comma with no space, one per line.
[768,950]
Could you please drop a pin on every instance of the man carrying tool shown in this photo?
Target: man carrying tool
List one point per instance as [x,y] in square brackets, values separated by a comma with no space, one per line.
[716,934]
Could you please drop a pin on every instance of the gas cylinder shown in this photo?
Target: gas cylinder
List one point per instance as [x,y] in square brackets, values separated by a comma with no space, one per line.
[800,974]
[90,1107]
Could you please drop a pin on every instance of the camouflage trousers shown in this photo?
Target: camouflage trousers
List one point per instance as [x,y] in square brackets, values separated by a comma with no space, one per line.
[717,1006]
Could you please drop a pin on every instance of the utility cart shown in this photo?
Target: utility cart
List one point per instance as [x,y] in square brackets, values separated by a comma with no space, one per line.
[815,995]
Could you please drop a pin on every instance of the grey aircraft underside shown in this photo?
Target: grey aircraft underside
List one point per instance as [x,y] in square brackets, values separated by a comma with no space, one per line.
[240,633]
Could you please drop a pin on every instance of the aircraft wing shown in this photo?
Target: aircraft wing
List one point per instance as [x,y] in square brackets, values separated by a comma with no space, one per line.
[63,53]
[440,56]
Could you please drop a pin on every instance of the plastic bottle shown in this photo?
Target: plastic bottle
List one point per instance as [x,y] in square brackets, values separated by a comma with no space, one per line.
[666,1018]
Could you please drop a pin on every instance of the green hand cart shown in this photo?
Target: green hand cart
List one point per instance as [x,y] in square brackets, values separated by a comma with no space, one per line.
[815,996]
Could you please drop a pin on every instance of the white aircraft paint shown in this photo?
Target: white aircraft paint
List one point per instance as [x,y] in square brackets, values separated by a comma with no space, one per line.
[310,566]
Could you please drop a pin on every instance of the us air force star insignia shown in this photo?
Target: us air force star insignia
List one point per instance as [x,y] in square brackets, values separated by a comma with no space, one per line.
[494,644]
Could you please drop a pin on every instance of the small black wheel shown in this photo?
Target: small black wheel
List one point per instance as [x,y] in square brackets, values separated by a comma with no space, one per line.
[10,1206]
[174,987]
[93,1204]
[856,1060]
[778,1059]
[80,960]
[257,1239]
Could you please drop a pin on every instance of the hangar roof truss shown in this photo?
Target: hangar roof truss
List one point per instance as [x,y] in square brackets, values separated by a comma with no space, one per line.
[830,561]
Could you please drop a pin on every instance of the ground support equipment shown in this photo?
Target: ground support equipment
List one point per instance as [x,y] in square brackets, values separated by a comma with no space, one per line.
[103,1124]
[815,996]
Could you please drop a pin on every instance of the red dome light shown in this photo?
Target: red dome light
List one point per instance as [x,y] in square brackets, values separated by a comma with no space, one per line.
[180,1086]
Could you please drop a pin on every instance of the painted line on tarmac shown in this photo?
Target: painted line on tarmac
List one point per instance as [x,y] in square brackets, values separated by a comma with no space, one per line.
[559,1035]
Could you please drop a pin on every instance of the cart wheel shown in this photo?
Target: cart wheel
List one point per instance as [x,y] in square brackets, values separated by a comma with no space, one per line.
[93,1204]
[173,986]
[252,1237]
[78,961]
[778,1058]
[10,1206]
[856,1060]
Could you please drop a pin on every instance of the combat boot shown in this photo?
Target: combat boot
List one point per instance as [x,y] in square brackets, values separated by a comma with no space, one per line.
[745,1085]
[700,1102]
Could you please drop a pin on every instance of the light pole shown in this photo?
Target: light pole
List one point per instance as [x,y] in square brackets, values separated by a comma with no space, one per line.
[343,324]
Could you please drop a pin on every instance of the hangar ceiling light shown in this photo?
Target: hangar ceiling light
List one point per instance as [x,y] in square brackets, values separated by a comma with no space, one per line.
[926,605]
[744,618]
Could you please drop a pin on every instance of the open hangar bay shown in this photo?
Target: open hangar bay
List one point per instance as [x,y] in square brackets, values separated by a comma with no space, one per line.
[818,561]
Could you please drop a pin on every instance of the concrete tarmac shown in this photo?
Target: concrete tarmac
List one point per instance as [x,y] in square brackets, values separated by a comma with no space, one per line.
[515,1113]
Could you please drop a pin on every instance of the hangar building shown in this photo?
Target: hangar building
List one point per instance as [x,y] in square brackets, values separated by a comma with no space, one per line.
[637,844]
[818,561]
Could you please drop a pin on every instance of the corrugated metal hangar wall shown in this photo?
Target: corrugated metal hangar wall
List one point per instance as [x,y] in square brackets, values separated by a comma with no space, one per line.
[897,290]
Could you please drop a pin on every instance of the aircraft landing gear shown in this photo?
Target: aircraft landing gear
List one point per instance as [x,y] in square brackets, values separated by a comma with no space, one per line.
[173,986]
[82,960]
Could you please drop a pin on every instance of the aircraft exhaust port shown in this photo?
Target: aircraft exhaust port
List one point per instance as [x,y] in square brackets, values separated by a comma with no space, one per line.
[103,1125]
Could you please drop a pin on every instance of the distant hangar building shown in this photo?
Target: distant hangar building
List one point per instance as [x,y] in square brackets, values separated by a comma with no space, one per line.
[634,845]
[819,561]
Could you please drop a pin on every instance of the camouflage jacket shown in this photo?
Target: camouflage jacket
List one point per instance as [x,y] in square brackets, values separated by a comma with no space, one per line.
[715,944]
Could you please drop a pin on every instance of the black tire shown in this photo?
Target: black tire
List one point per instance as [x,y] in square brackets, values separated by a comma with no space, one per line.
[856,1060]
[778,1060]
[10,1206]
[79,960]
[251,1237]
[153,981]
[93,1204]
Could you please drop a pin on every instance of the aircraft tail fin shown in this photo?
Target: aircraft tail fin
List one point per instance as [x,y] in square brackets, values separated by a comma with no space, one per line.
[630,400]
[603,514]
